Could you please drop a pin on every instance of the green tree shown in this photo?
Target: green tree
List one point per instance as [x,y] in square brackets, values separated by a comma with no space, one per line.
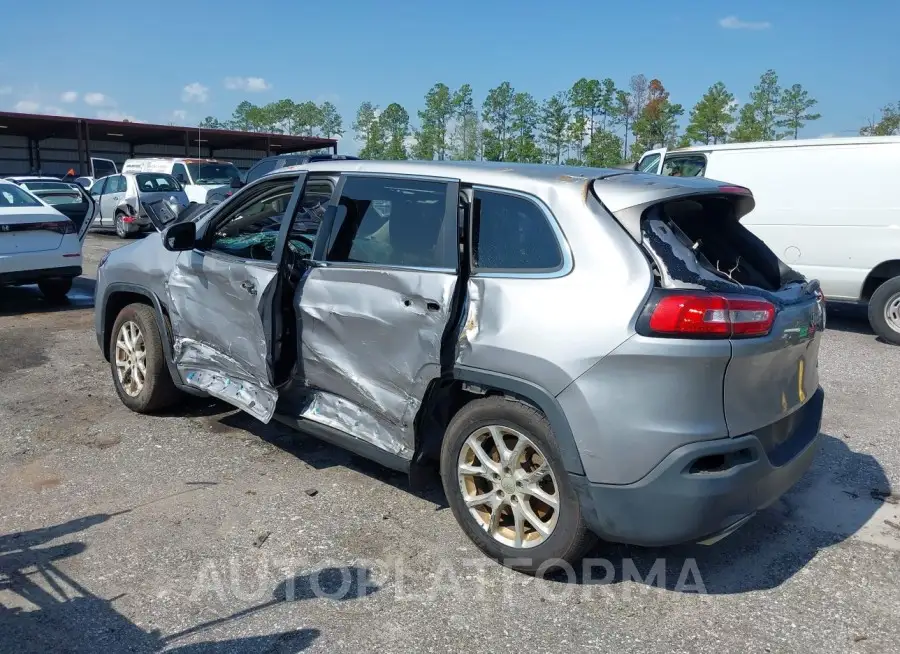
[307,117]
[604,150]
[376,141]
[524,120]
[431,139]
[332,123]
[888,125]
[496,114]
[554,121]
[465,136]
[244,117]
[280,115]
[765,103]
[625,113]
[211,122]
[606,107]
[794,110]
[394,121]
[748,129]
[584,97]
[658,122]
[366,117]
[712,116]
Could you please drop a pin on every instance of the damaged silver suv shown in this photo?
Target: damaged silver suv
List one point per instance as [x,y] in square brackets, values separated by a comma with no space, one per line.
[584,352]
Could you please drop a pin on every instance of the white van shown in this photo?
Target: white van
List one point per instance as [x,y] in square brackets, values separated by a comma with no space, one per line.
[197,176]
[829,208]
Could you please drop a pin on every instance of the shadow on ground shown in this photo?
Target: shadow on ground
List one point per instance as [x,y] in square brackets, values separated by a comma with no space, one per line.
[43,609]
[19,300]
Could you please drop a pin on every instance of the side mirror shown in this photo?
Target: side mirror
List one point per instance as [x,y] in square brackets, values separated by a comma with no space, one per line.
[180,237]
[236,182]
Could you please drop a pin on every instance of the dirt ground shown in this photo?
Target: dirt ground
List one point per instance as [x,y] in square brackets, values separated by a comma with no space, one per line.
[205,531]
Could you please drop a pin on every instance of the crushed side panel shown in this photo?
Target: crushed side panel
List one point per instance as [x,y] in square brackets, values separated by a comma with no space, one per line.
[370,343]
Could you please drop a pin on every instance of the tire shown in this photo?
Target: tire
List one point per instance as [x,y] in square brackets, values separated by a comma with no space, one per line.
[55,290]
[121,229]
[884,311]
[569,538]
[157,390]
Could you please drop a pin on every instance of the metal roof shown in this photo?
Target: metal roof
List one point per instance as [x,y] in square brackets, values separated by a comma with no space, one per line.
[38,126]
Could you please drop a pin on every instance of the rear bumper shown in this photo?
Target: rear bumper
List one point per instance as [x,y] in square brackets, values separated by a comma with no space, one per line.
[32,276]
[688,498]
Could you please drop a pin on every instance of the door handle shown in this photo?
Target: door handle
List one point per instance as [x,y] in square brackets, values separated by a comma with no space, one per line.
[433,306]
[249,286]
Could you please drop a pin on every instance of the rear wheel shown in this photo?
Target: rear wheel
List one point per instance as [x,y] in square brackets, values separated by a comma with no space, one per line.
[884,311]
[55,290]
[138,362]
[506,485]
[121,227]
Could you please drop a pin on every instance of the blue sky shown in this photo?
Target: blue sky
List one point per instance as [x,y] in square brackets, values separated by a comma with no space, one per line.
[165,61]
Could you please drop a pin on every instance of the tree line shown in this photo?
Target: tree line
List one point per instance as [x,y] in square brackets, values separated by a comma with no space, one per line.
[594,123]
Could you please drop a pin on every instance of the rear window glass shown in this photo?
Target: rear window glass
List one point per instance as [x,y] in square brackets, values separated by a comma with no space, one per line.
[12,196]
[511,233]
[393,222]
[156,182]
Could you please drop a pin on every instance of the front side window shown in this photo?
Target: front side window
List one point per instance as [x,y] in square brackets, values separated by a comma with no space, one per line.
[213,173]
[512,234]
[260,169]
[179,172]
[13,196]
[393,222]
[251,230]
[156,183]
[649,164]
[685,166]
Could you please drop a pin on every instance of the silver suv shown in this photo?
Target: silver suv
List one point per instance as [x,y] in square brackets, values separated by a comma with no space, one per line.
[583,351]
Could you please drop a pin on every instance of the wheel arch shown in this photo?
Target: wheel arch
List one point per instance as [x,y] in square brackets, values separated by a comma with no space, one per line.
[446,395]
[879,275]
[119,295]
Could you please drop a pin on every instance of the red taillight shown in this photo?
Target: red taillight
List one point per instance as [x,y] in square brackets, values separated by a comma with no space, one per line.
[711,315]
[61,227]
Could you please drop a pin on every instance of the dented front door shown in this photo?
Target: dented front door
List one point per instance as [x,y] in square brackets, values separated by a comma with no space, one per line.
[374,308]
[221,296]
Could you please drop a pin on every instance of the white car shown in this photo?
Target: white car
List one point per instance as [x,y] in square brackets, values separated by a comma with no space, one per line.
[41,244]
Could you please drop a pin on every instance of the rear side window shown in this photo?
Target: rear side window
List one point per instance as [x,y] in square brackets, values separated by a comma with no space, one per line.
[116,184]
[393,222]
[103,167]
[260,169]
[685,166]
[512,234]
[13,196]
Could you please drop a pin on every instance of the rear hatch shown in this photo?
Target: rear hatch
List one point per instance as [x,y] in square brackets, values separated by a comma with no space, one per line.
[715,279]
[32,229]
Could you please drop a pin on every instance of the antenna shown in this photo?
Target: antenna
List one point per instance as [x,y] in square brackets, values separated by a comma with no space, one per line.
[198,142]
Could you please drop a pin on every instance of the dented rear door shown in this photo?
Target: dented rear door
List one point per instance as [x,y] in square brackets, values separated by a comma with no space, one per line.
[374,307]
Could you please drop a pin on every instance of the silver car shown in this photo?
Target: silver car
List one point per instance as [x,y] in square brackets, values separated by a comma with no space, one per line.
[584,352]
[121,200]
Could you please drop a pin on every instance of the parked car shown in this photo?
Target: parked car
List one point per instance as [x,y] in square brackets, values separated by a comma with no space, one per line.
[197,176]
[583,351]
[120,200]
[827,207]
[269,164]
[41,244]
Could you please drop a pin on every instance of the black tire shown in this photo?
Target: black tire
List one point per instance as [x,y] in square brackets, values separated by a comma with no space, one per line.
[570,538]
[55,290]
[158,392]
[885,295]
[120,227]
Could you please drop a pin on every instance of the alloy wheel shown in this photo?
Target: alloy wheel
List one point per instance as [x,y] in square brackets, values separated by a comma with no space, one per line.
[508,486]
[131,358]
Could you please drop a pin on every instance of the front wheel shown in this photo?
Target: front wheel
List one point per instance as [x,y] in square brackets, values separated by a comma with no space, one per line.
[508,490]
[55,290]
[884,311]
[138,362]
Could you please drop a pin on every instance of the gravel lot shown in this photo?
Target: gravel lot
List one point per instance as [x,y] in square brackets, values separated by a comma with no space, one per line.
[204,531]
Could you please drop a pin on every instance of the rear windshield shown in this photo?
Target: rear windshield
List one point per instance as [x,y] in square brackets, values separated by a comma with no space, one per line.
[156,182]
[13,196]
[60,197]
[46,186]
[213,173]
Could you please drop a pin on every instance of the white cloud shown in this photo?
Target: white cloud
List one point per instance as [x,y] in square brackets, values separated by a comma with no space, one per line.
[117,115]
[69,97]
[735,23]
[5,90]
[55,111]
[179,114]
[248,84]
[195,92]
[98,100]
[828,135]
[27,106]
